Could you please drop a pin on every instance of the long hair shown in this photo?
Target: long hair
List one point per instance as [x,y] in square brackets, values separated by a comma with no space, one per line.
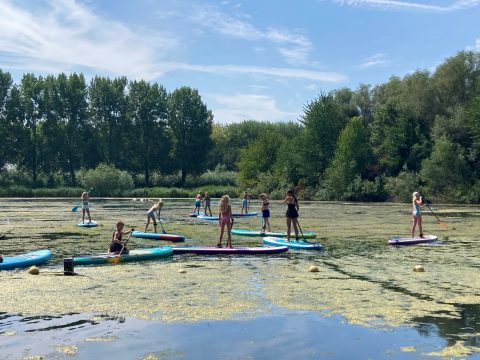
[224,204]
[292,193]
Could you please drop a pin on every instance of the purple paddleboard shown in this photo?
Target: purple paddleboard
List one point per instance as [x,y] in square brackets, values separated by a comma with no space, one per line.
[212,250]
[412,241]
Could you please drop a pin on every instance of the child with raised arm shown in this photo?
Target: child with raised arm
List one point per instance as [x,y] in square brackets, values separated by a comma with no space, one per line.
[117,246]
[85,206]
[265,212]
[225,218]
[156,207]
[417,204]
[292,213]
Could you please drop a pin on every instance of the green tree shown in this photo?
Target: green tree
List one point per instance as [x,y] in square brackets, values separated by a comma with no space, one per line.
[191,124]
[108,107]
[258,158]
[323,123]
[352,155]
[446,172]
[31,96]
[147,111]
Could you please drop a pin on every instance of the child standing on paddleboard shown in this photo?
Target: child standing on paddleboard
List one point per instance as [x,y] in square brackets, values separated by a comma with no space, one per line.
[198,203]
[157,207]
[206,199]
[417,203]
[117,246]
[85,206]
[265,212]
[245,202]
[292,213]
[225,218]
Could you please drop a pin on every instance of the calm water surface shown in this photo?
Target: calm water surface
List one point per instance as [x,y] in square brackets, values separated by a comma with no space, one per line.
[366,302]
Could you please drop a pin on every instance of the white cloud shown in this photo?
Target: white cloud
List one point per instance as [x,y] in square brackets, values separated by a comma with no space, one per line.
[409,5]
[292,45]
[376,60]
[66,36]
[241,107]
[257,71]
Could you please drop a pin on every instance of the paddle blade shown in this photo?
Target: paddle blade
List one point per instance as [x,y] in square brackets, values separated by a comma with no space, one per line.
[444,225]
[75,208]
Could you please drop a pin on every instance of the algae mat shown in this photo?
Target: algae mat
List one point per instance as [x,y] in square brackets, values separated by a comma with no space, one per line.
[360,277]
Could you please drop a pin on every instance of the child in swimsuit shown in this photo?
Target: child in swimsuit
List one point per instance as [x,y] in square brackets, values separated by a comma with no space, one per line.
[117,246]
[417,204]
[206,199]
[225,219]
[198,203]
[151,213]
[265,212]
[245,202]
[292,213]
[85,207]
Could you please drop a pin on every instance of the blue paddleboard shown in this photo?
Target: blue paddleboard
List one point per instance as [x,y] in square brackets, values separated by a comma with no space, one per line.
[298,245]
[87,223]
[25,260]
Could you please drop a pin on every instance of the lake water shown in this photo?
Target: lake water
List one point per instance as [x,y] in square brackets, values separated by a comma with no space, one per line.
[366,301]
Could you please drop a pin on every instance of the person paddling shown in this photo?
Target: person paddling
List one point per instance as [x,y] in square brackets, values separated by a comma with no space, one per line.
[292,213]
[206,200]
[117,246]
[85,206]
[417,204]
[156,207]
[245,202]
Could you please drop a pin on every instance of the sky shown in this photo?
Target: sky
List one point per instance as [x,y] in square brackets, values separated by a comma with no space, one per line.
[249,59]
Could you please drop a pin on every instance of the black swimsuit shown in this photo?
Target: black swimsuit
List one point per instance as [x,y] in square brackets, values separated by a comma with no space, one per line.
[114,247]
[291,211]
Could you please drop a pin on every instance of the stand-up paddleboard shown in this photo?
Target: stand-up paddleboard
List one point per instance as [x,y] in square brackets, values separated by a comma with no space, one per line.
[133,255]
[257,233]
[87,223]
[297,245]
[253,213]
[24,260]
[197,214]
[235,215]
[206,217]
[412,241]
[212,250]
[158,236]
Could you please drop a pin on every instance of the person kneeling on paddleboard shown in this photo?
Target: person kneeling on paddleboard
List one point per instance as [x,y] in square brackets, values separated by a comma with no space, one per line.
[117,246]
[417,203]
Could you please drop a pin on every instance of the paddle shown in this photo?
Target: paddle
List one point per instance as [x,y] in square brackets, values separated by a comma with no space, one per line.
[75,208]
[444,225]
[117,259]
[301,232]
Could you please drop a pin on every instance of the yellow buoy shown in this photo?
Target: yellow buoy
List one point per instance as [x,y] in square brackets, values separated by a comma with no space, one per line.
[418,268]
[33,270]
[182,271]
[313,268]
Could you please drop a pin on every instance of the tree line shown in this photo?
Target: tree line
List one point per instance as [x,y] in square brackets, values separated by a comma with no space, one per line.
[417,132]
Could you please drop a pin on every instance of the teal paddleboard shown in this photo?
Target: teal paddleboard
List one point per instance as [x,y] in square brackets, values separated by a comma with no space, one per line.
[244,232]
[25,260]
[133,255]
[298,245]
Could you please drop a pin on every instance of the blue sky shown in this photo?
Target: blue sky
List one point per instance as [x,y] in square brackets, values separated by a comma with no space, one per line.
[249,59]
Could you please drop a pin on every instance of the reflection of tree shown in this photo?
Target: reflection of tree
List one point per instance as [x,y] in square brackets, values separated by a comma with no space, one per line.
[465,328]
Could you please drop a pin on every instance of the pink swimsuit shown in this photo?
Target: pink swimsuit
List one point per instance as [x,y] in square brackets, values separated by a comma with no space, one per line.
[225,218]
